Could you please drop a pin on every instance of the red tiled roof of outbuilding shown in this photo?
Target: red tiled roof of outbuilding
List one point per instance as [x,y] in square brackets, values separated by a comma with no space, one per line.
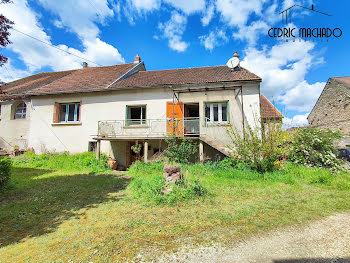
[268,110]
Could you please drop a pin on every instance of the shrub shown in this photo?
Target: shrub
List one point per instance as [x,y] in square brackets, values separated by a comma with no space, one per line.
[180,150]
[148,183]
[261,148]
[64,161]
[315,148]
[5,169]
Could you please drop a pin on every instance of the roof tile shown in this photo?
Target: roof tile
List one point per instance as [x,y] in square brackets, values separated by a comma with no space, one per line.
[185,76]
[88,79]
[268,110]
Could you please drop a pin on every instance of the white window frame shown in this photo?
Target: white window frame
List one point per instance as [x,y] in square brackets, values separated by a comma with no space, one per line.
[23,112]
[76,115]
[136,122]
[211,112]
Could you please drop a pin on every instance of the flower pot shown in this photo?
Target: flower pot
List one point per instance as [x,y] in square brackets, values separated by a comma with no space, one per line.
[113,164]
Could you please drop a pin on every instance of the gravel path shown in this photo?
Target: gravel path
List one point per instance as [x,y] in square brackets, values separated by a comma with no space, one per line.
[326,240]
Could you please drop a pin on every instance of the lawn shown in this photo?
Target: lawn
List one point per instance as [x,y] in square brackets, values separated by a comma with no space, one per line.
[50,215]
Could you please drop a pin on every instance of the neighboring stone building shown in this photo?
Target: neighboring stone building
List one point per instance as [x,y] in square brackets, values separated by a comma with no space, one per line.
[332,109]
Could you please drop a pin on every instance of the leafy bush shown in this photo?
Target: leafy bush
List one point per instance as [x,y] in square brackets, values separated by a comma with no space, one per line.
[5,169]
[261,149]
[315,148]
[180,150]
[64,161]
[148,184]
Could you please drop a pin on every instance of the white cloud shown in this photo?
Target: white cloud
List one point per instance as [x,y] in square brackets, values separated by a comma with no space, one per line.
[283,68]
[251,32]
[144,5]
[80,16]
[237,12]
[295,121]
[208,14]
[214,39]
[303,97]
[9,73]
[173,30]
[186,6]
[36,55]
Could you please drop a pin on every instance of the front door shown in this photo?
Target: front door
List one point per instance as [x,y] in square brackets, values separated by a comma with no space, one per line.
[174,115]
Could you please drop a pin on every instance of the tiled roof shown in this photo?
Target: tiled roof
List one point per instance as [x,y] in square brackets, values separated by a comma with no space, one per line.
[185,76]
[21,86]
[344,80]
[99,78]
[268,111]
[88,79]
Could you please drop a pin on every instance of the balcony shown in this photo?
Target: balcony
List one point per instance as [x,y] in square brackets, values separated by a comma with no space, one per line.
[149,128]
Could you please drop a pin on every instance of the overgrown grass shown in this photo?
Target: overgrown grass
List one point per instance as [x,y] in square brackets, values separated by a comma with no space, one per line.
[78,162]
[62,216]
[148,183]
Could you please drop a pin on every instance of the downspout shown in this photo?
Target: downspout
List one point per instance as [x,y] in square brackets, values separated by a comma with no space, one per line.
[242,113]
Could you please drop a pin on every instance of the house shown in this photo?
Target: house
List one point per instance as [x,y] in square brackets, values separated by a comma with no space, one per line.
[332,109]
[108,109]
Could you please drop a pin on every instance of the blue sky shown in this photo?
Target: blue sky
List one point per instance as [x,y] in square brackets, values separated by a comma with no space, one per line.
[180,33]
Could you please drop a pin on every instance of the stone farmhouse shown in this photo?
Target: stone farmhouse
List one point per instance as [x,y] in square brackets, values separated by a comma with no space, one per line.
[332,109]
[108,109]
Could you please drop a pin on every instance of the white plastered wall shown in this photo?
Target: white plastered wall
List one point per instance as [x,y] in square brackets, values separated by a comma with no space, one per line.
[251,108]
[13,132]
[44,136]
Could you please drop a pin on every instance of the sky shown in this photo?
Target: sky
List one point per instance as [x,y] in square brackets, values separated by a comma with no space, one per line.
[184,33]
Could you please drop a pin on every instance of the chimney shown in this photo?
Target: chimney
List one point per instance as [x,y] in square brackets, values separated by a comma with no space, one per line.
[137,59]
[236,55]
[85,64]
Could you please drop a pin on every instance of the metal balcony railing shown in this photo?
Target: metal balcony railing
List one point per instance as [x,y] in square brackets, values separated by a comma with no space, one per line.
[160,128]
[149,127]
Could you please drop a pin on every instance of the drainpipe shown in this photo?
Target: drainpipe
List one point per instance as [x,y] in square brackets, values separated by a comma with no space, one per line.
[242,113]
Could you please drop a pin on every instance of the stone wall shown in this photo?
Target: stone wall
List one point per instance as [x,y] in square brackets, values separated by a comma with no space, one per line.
[332,110]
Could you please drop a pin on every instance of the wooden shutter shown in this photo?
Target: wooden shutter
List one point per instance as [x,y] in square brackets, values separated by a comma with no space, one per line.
[176,111]
[56,111]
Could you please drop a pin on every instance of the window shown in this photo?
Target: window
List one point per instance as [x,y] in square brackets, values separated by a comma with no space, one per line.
[136,115]
[216,112]
[20,111]
[69,112]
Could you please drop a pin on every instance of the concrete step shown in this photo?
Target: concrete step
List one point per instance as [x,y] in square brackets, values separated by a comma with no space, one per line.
[216,145]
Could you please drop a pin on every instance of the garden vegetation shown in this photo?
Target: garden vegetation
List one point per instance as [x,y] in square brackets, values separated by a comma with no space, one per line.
[61,207]
[5,169]
[79,162]
[264,149]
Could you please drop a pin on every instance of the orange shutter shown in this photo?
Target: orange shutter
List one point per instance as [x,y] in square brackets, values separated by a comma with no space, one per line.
[175,111]
[56,111]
